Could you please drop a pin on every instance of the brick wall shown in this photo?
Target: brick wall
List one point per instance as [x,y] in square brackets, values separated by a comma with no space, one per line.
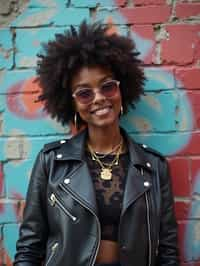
[167,33]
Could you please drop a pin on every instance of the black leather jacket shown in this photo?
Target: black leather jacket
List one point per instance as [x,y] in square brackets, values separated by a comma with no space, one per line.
[61,225]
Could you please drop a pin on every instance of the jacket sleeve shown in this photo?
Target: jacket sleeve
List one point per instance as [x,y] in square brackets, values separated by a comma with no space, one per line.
[167,249]
[30,247]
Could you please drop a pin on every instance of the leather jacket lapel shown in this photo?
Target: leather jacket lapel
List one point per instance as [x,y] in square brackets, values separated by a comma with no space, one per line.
[136,185]
[138,179]
[79,184]
[78,180]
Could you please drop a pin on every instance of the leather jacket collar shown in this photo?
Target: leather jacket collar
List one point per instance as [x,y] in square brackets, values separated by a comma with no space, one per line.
[75,150]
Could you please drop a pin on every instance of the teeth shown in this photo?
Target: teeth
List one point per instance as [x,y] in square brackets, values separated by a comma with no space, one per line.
[102,111]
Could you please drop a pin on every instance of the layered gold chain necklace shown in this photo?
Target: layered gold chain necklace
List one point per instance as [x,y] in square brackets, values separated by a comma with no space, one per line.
[106,168]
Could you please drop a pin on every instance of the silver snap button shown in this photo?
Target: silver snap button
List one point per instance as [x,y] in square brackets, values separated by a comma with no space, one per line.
[148,164]
[67,181]
[144,146]
[62,141]
[146,184]
[59,156]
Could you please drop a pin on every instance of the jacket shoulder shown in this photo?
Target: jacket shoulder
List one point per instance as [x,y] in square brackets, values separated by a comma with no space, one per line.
[152,151]
[53,145]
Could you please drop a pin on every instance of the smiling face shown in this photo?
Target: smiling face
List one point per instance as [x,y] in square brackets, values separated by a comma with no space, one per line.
[101,111]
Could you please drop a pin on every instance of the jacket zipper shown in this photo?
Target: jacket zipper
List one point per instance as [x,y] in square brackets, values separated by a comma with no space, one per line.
[98,223]
[148,226]
[54,200]
[53,250]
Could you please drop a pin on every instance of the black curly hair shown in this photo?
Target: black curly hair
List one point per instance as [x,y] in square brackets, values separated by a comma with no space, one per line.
[90,45]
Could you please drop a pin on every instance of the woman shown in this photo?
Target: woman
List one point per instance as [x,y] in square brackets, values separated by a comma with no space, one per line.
[98,198]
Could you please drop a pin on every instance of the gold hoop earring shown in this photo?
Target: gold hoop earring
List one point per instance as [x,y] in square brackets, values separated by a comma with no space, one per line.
[121,110]
[75,121]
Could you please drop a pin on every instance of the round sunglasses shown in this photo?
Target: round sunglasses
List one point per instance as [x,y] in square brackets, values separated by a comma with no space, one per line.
[86,95]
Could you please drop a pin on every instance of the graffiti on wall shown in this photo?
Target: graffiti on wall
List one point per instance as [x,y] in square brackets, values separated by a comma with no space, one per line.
[162,119]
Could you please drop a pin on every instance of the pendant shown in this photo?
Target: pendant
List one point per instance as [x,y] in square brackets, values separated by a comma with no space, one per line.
[106,174]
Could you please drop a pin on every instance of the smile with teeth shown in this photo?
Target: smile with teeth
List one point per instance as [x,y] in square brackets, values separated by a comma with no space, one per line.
[102,111]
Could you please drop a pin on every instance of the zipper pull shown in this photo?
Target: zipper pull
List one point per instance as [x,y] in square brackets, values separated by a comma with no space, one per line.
[53,199]
[53,248]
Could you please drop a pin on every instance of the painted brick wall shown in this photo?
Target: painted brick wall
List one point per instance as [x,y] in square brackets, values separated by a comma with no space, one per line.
[167,33]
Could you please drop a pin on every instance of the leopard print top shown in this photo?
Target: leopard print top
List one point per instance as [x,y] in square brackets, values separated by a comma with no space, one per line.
[109,193]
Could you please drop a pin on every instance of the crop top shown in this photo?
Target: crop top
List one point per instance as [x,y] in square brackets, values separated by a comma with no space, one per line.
[109,193]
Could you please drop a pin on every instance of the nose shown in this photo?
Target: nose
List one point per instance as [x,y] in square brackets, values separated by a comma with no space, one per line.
[98,96]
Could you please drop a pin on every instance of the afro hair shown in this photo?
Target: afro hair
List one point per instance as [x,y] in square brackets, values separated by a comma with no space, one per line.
[89,45]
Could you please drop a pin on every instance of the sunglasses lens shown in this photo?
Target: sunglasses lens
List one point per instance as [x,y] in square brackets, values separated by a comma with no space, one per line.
[85,95]
[109,88]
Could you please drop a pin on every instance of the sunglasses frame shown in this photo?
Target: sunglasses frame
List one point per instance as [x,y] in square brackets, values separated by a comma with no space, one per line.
[74,95]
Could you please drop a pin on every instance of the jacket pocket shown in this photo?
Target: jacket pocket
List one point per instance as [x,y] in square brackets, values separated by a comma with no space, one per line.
[54,201]
[54,248]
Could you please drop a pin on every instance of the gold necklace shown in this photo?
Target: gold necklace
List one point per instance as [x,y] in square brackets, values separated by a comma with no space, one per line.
[106,169]
[114,149]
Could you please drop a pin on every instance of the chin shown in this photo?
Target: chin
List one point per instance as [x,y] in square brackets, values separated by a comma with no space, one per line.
[105,123]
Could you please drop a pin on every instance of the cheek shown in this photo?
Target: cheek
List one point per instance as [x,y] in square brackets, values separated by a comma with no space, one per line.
[118,100]
[82,110]
[78,107]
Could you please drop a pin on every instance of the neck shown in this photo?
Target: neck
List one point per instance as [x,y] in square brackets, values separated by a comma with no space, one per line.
[103,140]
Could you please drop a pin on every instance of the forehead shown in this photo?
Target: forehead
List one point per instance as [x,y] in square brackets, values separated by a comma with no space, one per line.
[90,75]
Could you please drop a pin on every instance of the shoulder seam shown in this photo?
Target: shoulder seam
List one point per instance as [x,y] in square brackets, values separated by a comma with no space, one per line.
[53,145]
[151,150]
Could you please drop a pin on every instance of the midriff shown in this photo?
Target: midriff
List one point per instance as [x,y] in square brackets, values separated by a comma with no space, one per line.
[108,252]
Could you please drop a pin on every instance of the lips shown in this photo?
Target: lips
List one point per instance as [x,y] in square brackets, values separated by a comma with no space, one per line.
[102,110]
